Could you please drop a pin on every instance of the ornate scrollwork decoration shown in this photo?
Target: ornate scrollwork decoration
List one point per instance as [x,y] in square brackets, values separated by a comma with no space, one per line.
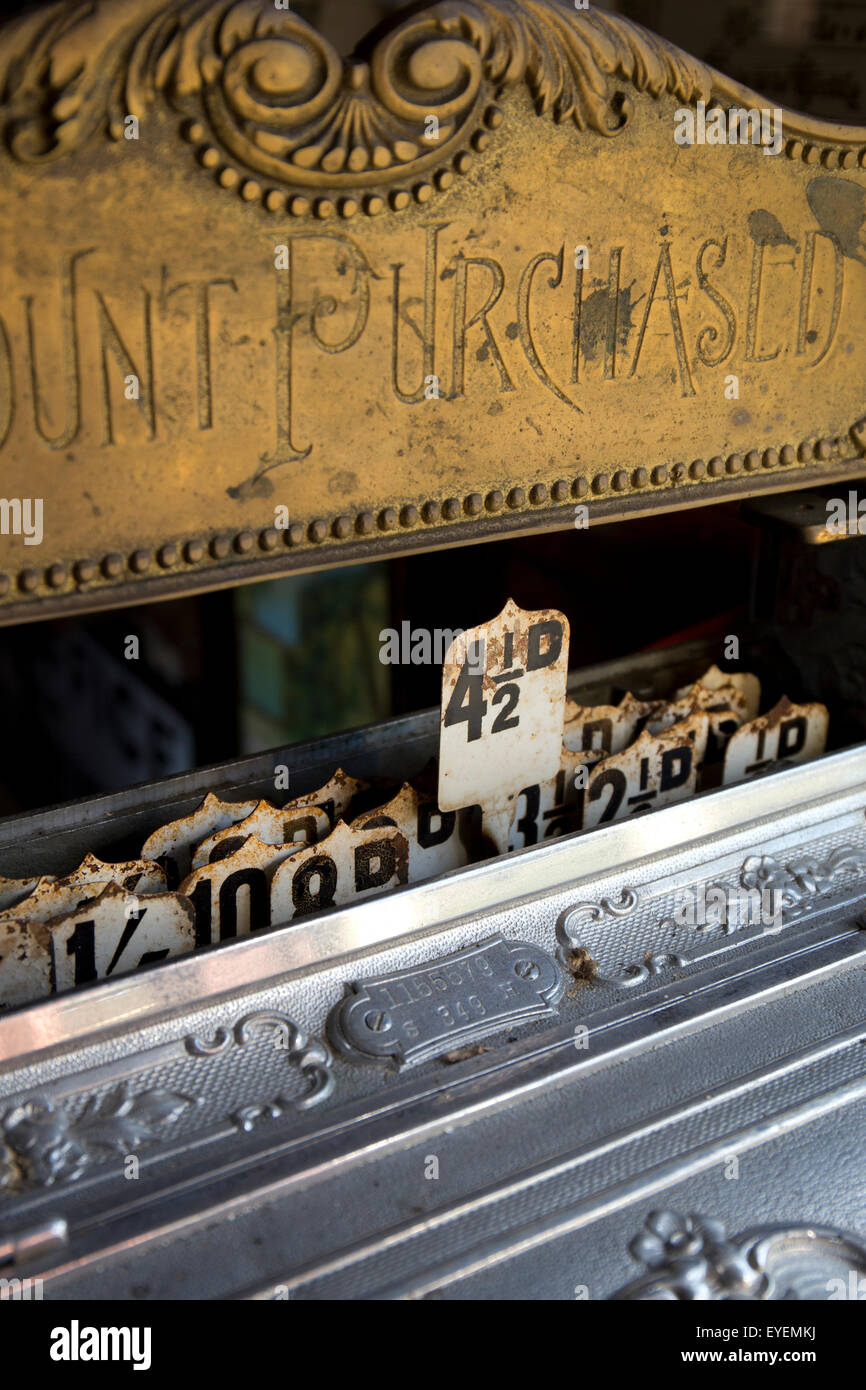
[310,1057]
[690,1257]
[263,88]
[577,918]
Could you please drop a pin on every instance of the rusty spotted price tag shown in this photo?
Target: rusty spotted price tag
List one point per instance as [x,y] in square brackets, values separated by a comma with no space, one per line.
[608,728]
[503,708]
[231,895]
[53,896]
[350,863]
[787,734]
[744,681]
[288,825]
[12,890]
[25,963]
[437,840]
[419,1013]
[116,933]
[173,844]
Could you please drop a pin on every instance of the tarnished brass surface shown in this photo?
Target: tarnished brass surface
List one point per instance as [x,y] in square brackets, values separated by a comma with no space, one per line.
[287,417]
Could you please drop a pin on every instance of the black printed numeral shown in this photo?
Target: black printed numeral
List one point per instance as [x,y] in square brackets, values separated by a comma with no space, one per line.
[511,694]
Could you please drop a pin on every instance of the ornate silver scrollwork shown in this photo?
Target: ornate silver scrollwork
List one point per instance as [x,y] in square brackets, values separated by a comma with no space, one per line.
[310,1057]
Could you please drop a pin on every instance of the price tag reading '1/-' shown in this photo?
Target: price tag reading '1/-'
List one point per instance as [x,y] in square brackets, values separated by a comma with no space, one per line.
[503,707]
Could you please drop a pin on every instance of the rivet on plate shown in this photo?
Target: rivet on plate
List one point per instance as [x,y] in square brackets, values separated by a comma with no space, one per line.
[516,497]
[387,519]
[409,516]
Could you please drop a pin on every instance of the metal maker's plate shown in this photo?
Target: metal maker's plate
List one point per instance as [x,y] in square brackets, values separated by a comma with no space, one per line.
[416,1014]
[266,340]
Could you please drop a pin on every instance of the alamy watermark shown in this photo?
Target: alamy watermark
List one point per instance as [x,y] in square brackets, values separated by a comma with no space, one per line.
[21,1290]
[719,906]
[421,646]
[737,126]
[22,516]
[846,518]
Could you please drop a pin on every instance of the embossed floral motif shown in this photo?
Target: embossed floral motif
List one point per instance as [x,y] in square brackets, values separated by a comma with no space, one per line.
[43,1145]
[695,1258]
[799,878]
[690,1257]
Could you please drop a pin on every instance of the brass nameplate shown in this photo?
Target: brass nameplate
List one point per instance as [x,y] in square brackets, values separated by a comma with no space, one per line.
[263,309]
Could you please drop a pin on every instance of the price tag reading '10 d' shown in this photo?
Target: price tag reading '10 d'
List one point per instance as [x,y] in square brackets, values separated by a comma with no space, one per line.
[503,708]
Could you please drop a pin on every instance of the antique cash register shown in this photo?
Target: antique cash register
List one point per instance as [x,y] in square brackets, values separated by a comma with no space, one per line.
[532,992]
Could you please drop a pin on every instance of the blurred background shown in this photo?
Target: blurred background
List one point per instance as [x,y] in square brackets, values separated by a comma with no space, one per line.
[286,660]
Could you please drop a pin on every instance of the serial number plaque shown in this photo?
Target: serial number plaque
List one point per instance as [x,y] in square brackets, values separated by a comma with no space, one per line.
[415,1014]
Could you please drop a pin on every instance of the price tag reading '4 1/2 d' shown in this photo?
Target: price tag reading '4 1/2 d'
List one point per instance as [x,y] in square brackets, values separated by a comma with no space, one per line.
[503,707]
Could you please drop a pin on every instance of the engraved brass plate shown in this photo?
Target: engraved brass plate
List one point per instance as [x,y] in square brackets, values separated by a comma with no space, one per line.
[415,1014]
[263,309]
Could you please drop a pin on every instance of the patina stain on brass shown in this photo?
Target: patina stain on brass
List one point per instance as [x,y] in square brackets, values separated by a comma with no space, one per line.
[264,309]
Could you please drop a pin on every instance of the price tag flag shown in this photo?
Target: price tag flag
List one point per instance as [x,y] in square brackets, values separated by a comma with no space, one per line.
[503,709]
[787,734]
